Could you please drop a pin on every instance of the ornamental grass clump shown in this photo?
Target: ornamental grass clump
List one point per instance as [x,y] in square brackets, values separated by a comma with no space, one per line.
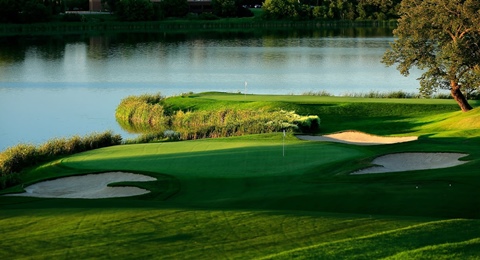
[149,116]
[231,122]
[142,113]
[16,158]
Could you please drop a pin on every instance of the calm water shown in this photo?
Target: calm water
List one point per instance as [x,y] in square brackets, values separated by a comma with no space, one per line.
[61,86]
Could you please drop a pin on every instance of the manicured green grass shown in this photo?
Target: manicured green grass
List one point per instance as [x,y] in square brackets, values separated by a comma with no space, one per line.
[242,198]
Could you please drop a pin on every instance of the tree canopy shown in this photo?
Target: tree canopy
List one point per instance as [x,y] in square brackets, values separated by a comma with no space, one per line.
[441,38]
[134,10]
[331,9]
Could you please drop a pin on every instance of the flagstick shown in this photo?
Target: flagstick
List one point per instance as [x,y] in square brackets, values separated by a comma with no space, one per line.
[245,89]
[283,142]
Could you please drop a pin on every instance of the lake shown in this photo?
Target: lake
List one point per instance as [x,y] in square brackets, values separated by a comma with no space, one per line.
[59,86]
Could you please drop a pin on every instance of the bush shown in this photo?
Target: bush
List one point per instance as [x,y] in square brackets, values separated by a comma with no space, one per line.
[173,8]
[146,114]
[9,180]
[35,11]
[308,124]
[72,17]
[135,10]
[15,159]
[208,16]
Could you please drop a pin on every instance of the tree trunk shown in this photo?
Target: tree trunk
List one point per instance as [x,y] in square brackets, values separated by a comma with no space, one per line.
[459,97]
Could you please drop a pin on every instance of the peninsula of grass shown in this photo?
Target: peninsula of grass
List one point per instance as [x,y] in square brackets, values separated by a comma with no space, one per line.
[266,196]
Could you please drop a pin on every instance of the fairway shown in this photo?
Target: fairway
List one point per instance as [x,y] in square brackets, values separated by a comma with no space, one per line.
[267,196]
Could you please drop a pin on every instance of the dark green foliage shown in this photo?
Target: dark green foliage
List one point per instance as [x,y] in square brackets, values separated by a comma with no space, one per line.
[308,124]
[173,8]
[9,180]
[73,5]
[331,9]
[110,5]
[224,8]
[35,11]
[72,17]
[207,16]
[135,10]
[230,8]
[9,11]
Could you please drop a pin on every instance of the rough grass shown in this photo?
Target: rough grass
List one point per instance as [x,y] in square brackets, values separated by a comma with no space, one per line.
[239,197]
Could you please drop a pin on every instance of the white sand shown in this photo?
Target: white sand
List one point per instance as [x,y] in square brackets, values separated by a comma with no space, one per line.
[91,186]
[399,162]
[357,138]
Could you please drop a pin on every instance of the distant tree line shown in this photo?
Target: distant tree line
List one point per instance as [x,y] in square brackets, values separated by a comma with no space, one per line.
[31,11]
[331,9]
[145,10]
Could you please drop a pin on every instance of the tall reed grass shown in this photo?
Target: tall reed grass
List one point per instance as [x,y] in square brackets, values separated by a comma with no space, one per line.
[16,158]
[388,94]
[136,113]
[148,115]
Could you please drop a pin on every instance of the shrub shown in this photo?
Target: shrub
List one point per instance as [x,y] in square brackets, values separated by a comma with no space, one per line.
[16,158]
[208,16]
[72,17]
[146,138]
[174,8]
[308,124]
[143,113]
[135,10]
[9,180]
[229,122]
[148,115]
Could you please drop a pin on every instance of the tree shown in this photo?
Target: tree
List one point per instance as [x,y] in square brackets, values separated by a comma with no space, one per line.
[224,8]
[135,10]
[9,11]
[76,4]
[441,38]
[110,5]
[286,9]
[230,8]
[174,8]
[34,11]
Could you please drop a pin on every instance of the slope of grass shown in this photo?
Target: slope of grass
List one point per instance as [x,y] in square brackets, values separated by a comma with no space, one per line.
[432,236]
[55,230]
[240,197]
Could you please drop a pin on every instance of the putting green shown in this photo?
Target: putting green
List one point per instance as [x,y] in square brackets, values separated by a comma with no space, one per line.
[214,158]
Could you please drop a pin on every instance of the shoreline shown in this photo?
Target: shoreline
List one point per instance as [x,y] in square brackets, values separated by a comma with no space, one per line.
[178,25]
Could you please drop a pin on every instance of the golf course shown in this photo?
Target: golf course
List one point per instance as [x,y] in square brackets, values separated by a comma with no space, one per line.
[266,195]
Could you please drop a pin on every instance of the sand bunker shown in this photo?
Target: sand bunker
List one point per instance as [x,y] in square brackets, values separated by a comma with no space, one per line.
[91,186]
[358,138]
[399,162]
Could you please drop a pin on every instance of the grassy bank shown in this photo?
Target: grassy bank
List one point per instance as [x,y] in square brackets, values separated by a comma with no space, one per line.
[242,197]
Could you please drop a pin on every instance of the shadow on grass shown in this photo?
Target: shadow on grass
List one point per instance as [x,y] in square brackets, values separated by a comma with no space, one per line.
[323,186]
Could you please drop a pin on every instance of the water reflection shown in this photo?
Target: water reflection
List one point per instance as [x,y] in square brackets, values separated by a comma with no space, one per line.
[99,70]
